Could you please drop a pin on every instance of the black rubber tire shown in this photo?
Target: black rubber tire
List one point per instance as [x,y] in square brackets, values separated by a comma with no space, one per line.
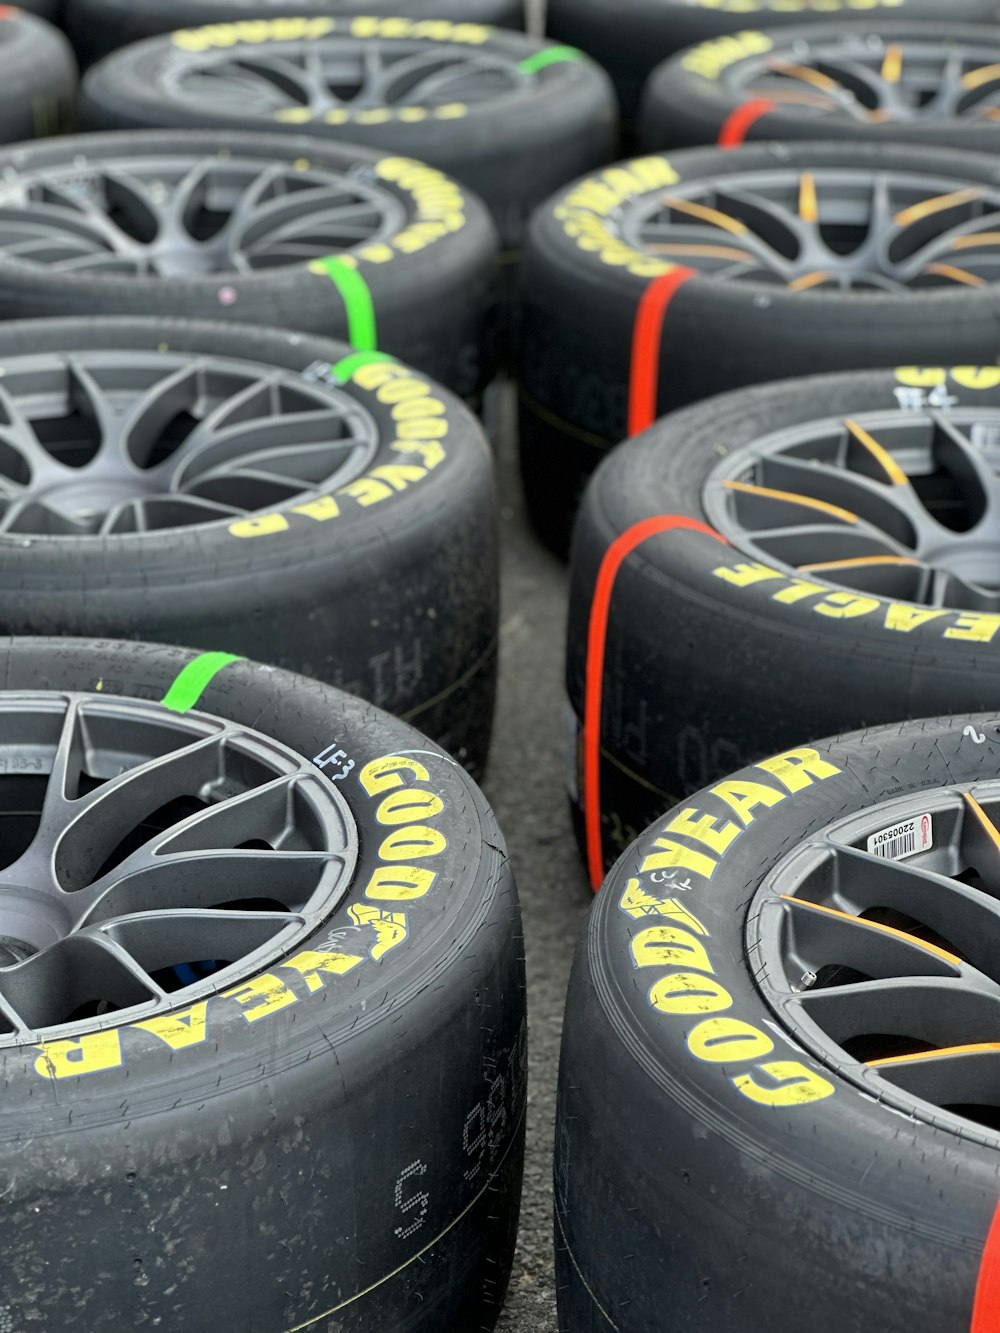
[687,101]
[631,37]
[434,304]
[702,675]
[37,77]
[514,150]
[684,1203]
[580,299]
[97,27]
[355,1153]
[396,599]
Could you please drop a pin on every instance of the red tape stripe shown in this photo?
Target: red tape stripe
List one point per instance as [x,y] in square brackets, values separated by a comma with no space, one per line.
[986,1311]
[738,123]
[597,638]
[647,340]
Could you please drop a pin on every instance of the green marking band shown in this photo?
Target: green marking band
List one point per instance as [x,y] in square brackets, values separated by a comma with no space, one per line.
[357,299]
[551,55]
[344,370]
[195,679]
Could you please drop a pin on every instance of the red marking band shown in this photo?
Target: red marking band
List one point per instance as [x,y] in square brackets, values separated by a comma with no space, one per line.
[738,123]
[647,340]
[986,1310]
[597,638]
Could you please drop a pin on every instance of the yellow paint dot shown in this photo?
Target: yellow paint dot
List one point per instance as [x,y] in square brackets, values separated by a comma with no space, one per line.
[301,164]
[412,113]
[295,115]
[337,117]
[451,111]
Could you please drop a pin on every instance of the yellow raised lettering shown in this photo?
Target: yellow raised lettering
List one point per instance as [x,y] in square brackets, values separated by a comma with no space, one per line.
[312,964]
[743,797]
[798,769]
[686,993]
[704,830]
[80,1055]
[383,774]
[669,946]
[720,1040]
[793,1085]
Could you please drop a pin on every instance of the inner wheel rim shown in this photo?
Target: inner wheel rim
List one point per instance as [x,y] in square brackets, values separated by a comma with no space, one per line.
[117,443]
[885,963]
[165,215]
[831,228]
[901,504]
[875,80]
[149,858]
[340,77]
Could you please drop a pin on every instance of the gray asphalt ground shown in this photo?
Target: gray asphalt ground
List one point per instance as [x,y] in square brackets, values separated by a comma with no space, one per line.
[526,785]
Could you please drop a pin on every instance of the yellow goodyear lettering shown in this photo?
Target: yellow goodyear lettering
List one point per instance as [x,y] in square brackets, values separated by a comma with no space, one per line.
[722,1040]
[407,803]
[711,58]
[934,377]
[798,769]
[76,1056]
[690,988]
[313,964]
[790,1083]
[261,996]
[585,210]
[386,773]
[674,855]
[684,993]
[252,32]
[400,884]
[669,946]
[187,1028]
[421,425]
[392,778]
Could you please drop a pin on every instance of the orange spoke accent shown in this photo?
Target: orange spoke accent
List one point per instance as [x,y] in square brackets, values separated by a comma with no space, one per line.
[990,113]
[879,117]
[705,251]
[988,827]
[892,65]
[793,95]
[927,207]
[977,77]
[807,75]
[950,958]
[843,515]
[978,1048]
[808,280]
[882,456]
[860,562]
[955,274]
[705,214]
[975,239]
[808,203]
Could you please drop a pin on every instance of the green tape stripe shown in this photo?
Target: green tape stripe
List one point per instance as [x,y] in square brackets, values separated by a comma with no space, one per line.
[195,679]
[344,370]
[357,299]
[551,55]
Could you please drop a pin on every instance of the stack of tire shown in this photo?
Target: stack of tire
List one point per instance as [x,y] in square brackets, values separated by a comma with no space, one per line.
[781,1030]
[261,970]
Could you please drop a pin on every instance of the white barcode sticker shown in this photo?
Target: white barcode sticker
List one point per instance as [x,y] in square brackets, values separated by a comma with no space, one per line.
[906,838]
